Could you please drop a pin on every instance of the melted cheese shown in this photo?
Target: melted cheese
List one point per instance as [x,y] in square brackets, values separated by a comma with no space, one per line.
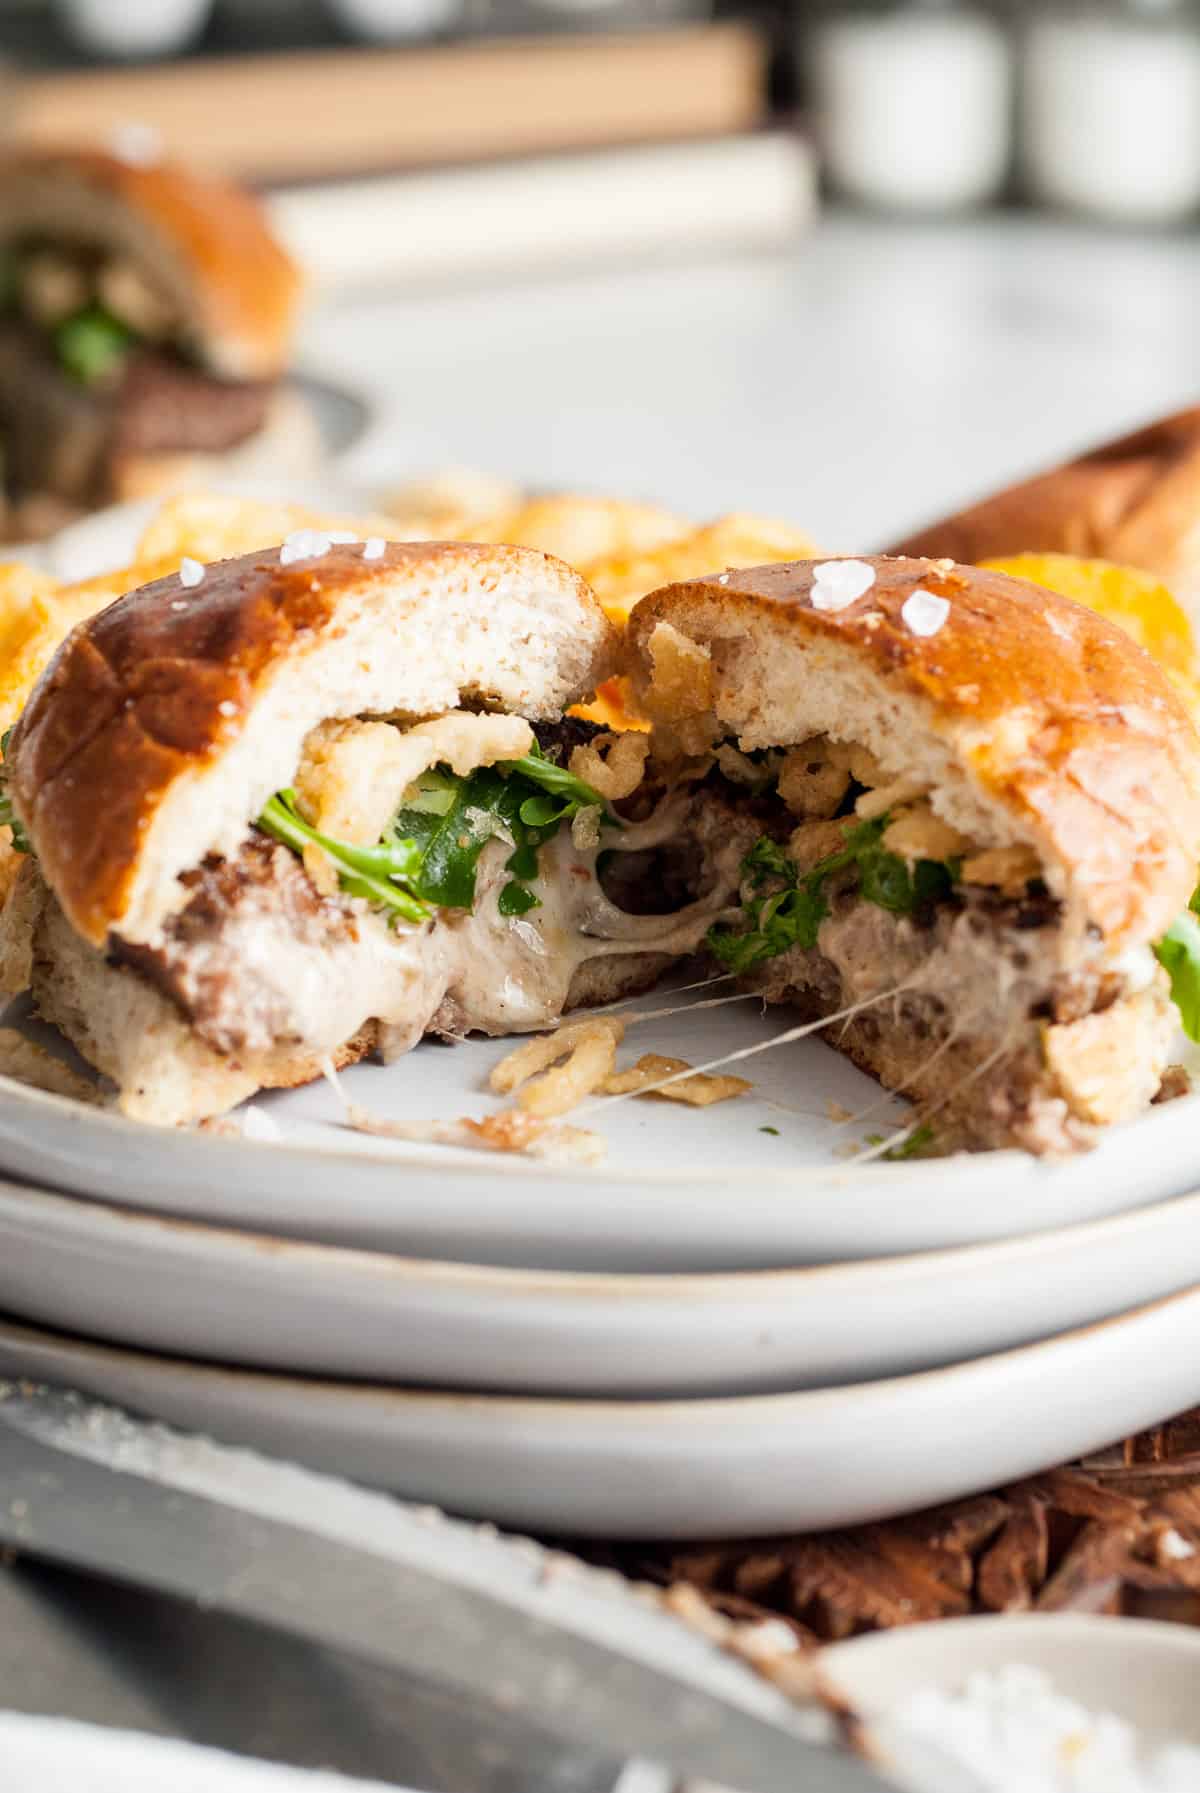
[480,971]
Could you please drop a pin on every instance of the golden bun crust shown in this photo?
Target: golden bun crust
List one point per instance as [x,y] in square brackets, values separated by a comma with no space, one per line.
[1050,717]
[1135,501]
[179,699]
[206,237]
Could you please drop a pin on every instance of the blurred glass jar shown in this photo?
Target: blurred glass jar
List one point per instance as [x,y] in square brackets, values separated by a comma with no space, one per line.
[913,102]
[395,21]
[132,29]
[1110,108]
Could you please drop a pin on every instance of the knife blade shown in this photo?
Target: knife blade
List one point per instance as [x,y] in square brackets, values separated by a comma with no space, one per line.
[524,1629]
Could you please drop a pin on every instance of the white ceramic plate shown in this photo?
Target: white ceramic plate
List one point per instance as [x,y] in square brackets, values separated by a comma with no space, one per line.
[754,1183]
[167,1285]
[750,1465]
[683,1189]
[107,539]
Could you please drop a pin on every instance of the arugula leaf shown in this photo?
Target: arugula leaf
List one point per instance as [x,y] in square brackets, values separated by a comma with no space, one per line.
[919,1144]
[363,871]
[574,792]
[450,840]
[8,815]
[429,855]
[1179,953]
[515,899]
[793,915]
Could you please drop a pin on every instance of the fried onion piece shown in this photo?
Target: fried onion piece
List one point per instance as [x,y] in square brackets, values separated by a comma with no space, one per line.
[589,1053]
[1009,869]
[700,1090]
[511,1131]
[535,1055]
[682,684]
[612,764]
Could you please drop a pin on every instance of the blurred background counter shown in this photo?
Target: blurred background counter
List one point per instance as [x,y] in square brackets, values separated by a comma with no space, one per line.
[872,375]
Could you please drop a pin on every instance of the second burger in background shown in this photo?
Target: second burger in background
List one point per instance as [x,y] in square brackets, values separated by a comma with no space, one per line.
[146,323]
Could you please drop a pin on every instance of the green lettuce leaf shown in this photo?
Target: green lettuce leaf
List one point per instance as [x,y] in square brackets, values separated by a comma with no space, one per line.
[1179,953]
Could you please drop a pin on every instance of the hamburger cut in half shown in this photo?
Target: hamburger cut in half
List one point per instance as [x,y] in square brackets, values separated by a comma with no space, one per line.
[322,802]
[968,809]
[146,320]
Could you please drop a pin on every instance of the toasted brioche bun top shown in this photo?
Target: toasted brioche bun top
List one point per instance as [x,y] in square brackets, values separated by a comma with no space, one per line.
[1030,718]
[203,242]
[164,723]
[1135,501]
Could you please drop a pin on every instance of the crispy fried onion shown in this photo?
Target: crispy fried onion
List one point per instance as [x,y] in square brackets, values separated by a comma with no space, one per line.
[612,764]
[700,1091]
[574,1062]
[353,774]
[580,1060]
[1009,869]
[917,833]
[512,1131]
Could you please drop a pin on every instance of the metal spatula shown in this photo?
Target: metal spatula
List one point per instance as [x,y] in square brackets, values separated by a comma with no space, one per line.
[518,1628]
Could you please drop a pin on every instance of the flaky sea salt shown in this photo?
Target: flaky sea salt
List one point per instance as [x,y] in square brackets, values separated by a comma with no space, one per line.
[227,707]
[1017,1733]
[303,544]
[839,583]
[923,612]
[373,547]
[191,572]
[1175,1548]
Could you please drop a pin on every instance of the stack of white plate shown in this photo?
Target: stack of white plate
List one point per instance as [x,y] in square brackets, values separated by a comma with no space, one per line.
[727,1328]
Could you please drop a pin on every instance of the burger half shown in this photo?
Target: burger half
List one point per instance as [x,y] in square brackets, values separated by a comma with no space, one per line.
[146,320]
[322,802]
[969,819]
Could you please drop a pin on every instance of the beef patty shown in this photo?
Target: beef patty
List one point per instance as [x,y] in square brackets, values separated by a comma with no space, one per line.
[65,439]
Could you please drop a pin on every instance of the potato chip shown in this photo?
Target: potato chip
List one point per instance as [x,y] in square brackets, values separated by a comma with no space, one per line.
[206,526]
[458,505]
[1137,602]
[737,540]
[582,530]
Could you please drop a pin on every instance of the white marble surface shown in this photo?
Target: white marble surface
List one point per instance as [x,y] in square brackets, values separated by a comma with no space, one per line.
[871,377]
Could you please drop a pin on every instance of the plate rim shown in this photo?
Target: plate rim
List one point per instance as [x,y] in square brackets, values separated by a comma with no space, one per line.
[708,1179]
[509,1280]
[671,1411]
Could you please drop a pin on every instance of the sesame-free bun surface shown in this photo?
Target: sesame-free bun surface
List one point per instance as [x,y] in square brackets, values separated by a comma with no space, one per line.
[1029,717]
[1135,501]
[204,243]
[165,722]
